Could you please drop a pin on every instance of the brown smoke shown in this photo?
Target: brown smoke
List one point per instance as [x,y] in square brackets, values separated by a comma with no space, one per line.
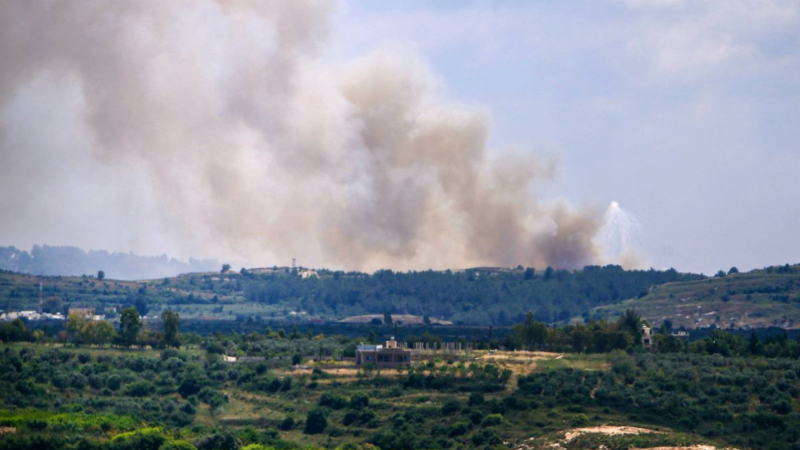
[247,144]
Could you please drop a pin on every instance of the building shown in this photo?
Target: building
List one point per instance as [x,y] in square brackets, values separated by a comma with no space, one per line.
[647,337]
[388,357]
[681,335]
[87,313]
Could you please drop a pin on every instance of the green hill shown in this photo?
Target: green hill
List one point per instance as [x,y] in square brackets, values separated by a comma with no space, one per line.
[756,299]
[486,296]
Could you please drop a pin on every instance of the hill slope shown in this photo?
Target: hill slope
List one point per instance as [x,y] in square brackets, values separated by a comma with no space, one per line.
[757,299]
[475,296]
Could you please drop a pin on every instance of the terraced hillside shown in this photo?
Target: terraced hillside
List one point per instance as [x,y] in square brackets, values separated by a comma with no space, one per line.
[756,299]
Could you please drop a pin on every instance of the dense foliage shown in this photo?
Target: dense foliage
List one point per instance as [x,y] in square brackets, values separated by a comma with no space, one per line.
[475,296]
[749,402]
[499,297]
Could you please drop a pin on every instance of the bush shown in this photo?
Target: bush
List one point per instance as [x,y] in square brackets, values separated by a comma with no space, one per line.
[114,382]
[287,424]
[359,401]
[177,445]
[486,437]
[219,441]
[140,389]
[333,401]
[316,422]
[476,398]
[492,420]
[451,407]
[212,397]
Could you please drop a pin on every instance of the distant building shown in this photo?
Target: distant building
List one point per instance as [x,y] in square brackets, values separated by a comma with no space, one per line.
[647,337]
[389,357]
[681,335]
[87,313]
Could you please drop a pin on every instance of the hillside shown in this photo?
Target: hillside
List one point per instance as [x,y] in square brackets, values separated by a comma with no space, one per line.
[475,296]
[756,299]
[71,397]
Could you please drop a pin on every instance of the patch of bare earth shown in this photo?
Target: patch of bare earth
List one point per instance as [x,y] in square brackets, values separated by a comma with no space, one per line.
[575,432]
[520,356]
[605,429]
[4,430]
[694,447]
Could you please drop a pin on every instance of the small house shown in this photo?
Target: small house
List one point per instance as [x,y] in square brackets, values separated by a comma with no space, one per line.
[384,357]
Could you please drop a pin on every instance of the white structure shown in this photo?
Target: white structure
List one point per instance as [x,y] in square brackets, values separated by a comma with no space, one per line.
[647,338]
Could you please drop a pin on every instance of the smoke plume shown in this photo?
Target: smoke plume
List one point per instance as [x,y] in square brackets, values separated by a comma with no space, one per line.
[221,129]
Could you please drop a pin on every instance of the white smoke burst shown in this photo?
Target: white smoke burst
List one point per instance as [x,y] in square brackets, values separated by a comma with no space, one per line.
[619,237]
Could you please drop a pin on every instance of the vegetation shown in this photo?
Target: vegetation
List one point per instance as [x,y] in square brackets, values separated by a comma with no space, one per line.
[756,299]
[499,297]
[721,390]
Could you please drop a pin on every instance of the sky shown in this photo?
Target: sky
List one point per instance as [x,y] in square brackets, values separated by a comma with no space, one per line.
[407,135]
[684,112]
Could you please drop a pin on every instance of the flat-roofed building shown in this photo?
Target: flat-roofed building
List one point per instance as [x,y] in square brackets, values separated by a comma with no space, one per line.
[390,356]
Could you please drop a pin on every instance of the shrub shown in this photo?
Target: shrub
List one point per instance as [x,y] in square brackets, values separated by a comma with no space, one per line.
[492,420]
[333,401]
[359,401]
[140,389]
[287,424]
[486,437]
[218,441]
[114,382]
[451,407]
[316,422]
[177,445]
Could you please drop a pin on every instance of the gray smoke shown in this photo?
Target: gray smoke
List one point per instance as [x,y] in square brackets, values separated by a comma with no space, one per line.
[219,129]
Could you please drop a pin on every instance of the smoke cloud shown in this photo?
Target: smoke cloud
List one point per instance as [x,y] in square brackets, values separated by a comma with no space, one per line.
[224,129]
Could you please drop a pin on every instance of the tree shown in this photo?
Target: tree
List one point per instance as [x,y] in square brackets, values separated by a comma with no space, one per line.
[387,318]
[129,326]
[225,268]
[101,275]
[171,322]
[529,273]
[631,323]
[548,273]
[74,325]
[80,329]
[52,305]
[141,306]
[315,422]
[426,320]
[532,333]
[104,332]
[733,270]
